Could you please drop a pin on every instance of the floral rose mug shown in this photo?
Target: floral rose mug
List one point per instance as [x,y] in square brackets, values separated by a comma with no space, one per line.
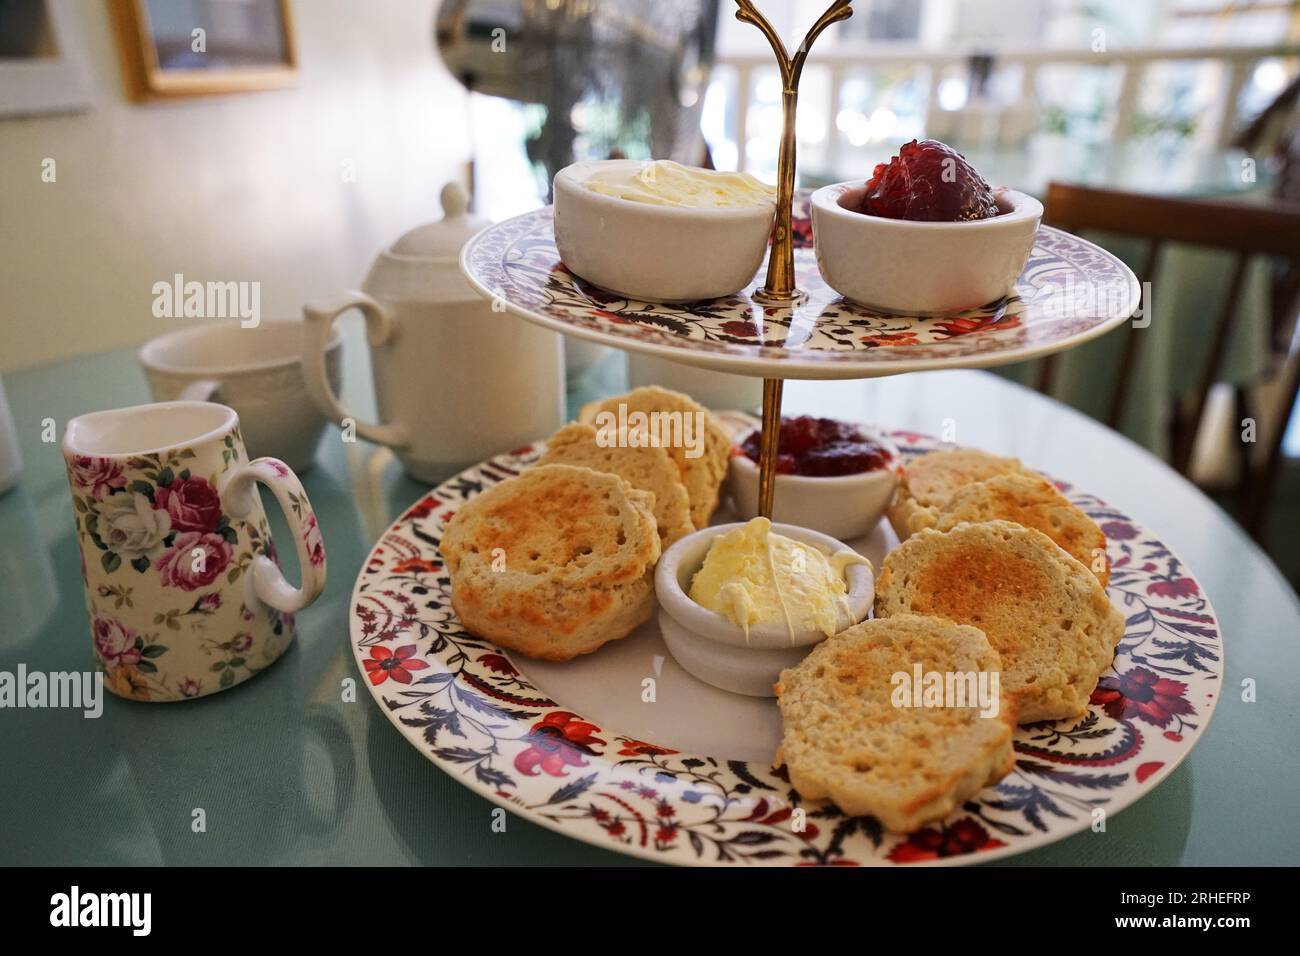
[182,585]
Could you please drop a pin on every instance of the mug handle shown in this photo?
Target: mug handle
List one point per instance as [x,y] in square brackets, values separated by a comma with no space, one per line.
[200,390]
[316,340]
[239,495]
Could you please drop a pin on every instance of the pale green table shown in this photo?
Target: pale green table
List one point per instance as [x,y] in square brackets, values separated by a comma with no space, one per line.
[286,772]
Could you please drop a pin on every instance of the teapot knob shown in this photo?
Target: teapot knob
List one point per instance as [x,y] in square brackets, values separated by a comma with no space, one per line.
[455,201]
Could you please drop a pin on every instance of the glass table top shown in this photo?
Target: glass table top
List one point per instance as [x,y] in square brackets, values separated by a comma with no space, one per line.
[289,768]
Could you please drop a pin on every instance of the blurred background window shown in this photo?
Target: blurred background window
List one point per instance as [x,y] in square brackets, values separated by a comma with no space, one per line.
[1073,83]
[991,74]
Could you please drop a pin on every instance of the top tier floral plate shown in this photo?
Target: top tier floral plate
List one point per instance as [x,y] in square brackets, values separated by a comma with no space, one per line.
[1069,292]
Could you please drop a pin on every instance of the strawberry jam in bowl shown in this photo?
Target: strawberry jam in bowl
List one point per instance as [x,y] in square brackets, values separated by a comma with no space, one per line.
[924,235]
[831,476]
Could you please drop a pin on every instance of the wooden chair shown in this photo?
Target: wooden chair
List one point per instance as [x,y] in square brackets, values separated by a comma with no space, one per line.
[1243,229]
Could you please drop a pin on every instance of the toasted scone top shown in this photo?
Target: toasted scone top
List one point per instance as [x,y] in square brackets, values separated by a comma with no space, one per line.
[848,739]
[967,583]
[646,467]
[1042,609]
[933,478]
[701,475]
[1034,502]
[557,521]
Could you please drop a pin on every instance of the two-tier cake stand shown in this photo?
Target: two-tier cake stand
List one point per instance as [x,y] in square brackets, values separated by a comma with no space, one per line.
[574,747]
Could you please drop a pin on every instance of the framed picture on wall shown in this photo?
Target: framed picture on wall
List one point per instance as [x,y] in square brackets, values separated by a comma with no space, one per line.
[41,60]
[174,48]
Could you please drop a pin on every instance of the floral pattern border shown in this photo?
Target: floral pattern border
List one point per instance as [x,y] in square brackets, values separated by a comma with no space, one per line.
[1069,287]
[471,709]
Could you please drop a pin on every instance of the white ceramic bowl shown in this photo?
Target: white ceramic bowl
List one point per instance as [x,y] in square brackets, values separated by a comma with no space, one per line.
[717,651]
[256,371]
[655,253]
[842,506]
[921,268]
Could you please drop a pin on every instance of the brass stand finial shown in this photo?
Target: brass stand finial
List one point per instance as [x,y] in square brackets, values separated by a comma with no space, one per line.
[779,288]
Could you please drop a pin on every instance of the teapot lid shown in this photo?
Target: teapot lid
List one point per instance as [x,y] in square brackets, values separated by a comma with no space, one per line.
[442,239]
[423,265]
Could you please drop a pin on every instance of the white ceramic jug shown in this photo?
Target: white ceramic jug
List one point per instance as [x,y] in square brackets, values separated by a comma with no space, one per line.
[455,381]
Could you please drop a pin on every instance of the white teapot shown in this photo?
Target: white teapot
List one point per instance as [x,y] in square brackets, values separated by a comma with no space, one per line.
[455,381]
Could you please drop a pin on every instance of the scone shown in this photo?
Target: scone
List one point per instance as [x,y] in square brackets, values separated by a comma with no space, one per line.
[845,739]
[929,481]
[1043,611]
[702,475]
[554,562]
[1035,503]
[648,469]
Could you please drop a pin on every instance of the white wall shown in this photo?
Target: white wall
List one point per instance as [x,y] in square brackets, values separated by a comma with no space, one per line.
[244,187]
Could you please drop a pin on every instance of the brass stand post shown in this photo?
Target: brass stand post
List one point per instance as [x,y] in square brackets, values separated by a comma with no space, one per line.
[779,288]
[768,444]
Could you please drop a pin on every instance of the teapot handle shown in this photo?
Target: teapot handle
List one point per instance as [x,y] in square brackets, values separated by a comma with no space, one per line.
[316,332]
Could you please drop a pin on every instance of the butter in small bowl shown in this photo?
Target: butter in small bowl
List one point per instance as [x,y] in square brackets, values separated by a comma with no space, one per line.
[663,182]
[754,576]
[739,603]
[659,231]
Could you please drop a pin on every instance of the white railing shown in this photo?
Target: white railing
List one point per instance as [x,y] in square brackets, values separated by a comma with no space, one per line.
[1233,64]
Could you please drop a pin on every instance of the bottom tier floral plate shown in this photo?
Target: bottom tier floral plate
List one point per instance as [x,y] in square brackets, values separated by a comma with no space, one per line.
[625,750]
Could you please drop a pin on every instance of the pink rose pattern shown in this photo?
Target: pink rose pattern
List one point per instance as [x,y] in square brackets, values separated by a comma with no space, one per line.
[192,503]
[98,477]
[182,567]
[114,643]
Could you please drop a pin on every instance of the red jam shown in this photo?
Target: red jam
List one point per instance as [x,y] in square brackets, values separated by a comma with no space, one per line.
[821,447]
[928,182]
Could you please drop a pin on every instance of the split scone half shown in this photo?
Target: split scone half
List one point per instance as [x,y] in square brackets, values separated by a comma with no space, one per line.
[1034,502]
[928,482]
[554,562]
[1043,612]
[848,737]
[645,468]
[701,473]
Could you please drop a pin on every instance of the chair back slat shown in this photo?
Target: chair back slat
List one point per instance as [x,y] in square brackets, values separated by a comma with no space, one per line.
[1272,229]
[1243,228]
